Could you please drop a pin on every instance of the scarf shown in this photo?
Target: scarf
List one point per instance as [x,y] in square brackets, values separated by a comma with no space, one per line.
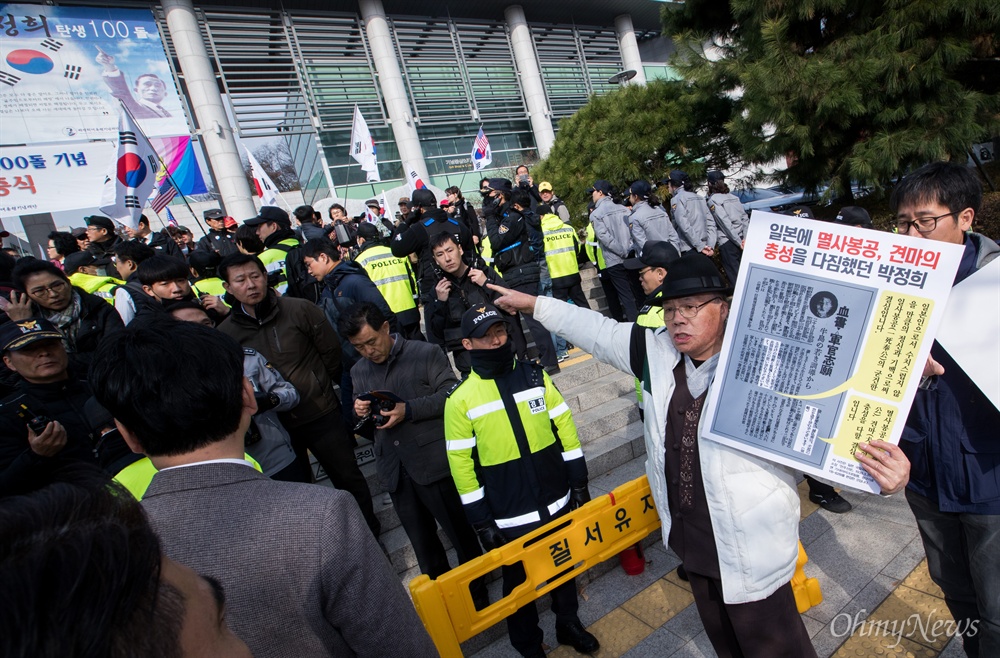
[490,364]
[698,378]
[68,322]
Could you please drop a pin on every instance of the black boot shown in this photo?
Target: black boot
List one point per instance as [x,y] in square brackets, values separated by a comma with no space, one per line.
[574,634]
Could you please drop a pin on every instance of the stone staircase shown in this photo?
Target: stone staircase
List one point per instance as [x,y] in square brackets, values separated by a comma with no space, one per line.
[602,400]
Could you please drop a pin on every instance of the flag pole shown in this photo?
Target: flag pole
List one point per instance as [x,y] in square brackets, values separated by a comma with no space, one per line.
[166,171]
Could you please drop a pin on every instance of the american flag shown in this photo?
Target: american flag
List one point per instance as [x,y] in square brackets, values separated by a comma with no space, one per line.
[170,218]
[165,195]
[482,155]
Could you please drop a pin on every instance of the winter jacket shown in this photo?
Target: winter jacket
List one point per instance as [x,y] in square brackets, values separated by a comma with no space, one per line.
[419,374]
[610,222]
[273,449]
[510,238]
[446,317]
[60,401]
[163,244]
[97,320]
[730,212]
[649,224]
[222,241]
[950,436]
[295,336]
[415,239]
[349,284]
[753,503]
[692,221]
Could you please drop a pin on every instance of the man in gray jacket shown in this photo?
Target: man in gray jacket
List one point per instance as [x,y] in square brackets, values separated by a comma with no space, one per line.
[690,214]
[303,575]
[410,453]
[611,230]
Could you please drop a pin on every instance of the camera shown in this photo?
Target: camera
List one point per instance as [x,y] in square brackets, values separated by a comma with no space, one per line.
[376,416]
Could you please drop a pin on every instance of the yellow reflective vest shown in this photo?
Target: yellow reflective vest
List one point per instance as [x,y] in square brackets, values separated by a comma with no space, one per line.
[594,252]
[392,275]
[102,286]
[274,261]
[560,249]
[515,473]
[650,315]
[210,286]
[486,250]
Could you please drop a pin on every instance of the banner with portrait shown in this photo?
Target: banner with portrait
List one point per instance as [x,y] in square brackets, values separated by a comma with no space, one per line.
[65,72]
[830,329]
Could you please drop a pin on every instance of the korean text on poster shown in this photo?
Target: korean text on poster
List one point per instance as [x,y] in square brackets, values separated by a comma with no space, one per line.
[50,178]
[826,342]
[66,71]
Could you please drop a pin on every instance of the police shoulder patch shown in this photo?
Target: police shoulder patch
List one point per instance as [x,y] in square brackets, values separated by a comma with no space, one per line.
[503,229]
[249,351]
[455,387]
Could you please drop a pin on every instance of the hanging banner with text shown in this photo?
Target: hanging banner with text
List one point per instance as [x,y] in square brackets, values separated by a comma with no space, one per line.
[49,178]
[827,339]
[65,71]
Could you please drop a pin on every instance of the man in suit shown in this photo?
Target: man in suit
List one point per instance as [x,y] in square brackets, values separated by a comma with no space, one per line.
[150,91]
[302,573]
[410,451]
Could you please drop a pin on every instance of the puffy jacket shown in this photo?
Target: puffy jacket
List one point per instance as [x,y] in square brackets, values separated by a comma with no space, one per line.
[753,503]
[418,373]
[162,243]
[97,320]
[349,284]
[295,336]
[610,222]
[649,224]
[511,243]
[105,251]
[514,473]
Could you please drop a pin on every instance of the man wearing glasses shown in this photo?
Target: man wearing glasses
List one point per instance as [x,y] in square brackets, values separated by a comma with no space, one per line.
[732,518]
[951,432]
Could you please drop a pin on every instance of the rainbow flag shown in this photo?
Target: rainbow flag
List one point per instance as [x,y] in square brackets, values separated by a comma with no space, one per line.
[177,154]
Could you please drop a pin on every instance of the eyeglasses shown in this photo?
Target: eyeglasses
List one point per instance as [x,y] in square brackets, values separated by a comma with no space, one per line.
[51,289]
[645,271]
[686,310]
[924,225]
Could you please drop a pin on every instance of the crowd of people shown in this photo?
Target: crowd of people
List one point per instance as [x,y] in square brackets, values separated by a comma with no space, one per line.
[162,397]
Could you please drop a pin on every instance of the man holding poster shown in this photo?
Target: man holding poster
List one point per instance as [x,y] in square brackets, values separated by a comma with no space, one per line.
[951,432]
[730,516]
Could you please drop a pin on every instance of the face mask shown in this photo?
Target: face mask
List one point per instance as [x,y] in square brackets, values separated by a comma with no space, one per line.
[490,364]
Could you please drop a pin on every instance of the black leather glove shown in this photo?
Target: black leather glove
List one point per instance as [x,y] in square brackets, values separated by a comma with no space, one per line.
[266,402]
[578,497]
[490,535]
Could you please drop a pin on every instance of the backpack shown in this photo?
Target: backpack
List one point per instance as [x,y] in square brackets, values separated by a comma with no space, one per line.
[301,284]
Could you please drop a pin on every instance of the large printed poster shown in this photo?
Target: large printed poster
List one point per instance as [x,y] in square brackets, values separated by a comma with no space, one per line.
[826,343]
[65,71]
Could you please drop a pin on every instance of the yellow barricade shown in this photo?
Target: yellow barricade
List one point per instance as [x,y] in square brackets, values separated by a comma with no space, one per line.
[551,555]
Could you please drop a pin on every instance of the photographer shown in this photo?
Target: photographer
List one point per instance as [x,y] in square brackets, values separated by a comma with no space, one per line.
[424,222]
[410,454]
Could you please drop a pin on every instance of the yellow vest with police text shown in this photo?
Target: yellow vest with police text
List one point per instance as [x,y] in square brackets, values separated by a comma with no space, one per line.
[392,276]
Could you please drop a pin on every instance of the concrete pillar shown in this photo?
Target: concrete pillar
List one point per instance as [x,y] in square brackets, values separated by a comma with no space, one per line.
[630,48]
[390,80]
[531,79]
[203,91]
[37,228]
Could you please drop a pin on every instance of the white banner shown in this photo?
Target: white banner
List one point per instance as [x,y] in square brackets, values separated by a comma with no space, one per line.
[266,189]
[64,71]
[413,178]
[827,339]
[47,178]
[363,147]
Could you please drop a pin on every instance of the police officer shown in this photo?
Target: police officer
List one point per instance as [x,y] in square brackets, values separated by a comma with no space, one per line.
[690,214]
[275,228]
[393,277]
[87,273]
[730,219]
[652,269]
[517,463]
[561,245]
[596,256]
